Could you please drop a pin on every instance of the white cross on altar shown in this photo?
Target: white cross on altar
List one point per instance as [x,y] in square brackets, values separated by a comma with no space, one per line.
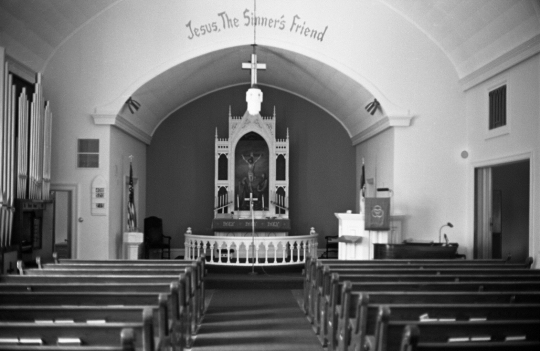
[251,199]
[254,66]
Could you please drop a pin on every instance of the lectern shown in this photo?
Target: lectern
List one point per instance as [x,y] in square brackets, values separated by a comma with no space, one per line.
[353,239]
[356,243]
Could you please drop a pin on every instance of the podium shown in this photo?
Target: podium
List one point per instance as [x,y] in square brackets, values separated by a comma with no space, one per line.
[132,244]
[356,243]
[353,240]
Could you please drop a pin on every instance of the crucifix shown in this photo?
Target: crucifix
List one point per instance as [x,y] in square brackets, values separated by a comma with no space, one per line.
[254,66]
[251,199]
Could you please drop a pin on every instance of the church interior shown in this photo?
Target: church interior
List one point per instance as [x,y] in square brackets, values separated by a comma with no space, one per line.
[279,120]
[158,82]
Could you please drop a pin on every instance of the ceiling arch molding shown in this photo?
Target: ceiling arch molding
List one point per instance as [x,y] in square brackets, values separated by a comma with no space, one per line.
[340,91]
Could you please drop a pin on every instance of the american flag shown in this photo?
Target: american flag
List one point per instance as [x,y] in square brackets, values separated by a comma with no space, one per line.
[363,188]
[363,180]
[131,216]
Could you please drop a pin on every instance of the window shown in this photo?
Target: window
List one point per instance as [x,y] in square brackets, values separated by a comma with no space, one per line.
[497,107]
[88,153]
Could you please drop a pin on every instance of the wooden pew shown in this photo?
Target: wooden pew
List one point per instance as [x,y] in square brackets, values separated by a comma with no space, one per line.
[314,270]
[323,282]
[104,334]
[198,273]
[128,267]
[127,343]
[97,314]
[402,261]
[494,334]
[193,286]
[352,328]
[312,262]
[326,318]
[481,262]
[314,267]
[169,316]
[411,334]
[384,277]
[321,297]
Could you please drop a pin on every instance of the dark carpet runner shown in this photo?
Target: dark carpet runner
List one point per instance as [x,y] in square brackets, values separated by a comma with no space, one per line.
[253,320]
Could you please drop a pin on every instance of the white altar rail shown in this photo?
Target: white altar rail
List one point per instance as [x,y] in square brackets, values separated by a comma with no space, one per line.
[238,251]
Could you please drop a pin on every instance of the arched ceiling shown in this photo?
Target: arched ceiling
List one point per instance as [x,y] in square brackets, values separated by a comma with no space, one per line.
[471,33]
[290,72]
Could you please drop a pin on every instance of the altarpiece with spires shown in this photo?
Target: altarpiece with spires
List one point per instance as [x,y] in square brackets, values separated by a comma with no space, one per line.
[252,161]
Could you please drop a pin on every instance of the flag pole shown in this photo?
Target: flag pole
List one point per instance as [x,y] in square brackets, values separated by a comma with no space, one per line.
[362,186]
[132,217]
[252,236]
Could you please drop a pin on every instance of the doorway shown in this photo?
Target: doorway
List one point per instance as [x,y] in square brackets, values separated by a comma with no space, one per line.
[502,211]
[65,220]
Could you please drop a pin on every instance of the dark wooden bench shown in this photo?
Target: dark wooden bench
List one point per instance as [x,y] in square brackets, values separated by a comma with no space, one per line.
[194,287]
[351,324]
[170,317]
[197,267]
[321,295]
[127,343]
[312,264]
[315,269]
[180,288]
[87,334]
[486,335]
[325,319]
[411,335]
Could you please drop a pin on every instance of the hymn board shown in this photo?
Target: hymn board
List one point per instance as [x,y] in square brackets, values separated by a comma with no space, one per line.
[252,161]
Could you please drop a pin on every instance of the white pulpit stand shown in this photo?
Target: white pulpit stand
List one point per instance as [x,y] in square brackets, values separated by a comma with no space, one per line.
[356,243]
[132,244]
[353,241]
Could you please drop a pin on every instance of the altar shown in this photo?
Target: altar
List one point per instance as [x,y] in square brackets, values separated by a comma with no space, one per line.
[251,222]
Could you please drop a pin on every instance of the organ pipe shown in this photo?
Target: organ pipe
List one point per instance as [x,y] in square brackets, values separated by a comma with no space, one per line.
[25,148]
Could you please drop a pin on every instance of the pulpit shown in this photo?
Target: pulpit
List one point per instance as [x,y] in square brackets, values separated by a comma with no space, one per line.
[356,243]
[352,239]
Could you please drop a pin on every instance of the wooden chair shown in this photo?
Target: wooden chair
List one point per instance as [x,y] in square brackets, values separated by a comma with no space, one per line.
[154,237]
[331,246]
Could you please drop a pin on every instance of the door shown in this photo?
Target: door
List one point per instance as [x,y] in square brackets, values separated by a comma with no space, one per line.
[502,211]
[65,224]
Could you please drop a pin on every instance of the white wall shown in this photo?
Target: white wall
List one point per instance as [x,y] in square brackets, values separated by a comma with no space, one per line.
[103,63]
[426,173]
[123,146]
[378,156]
[521,141]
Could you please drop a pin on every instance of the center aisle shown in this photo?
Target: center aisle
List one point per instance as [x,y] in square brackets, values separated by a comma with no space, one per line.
[255,320]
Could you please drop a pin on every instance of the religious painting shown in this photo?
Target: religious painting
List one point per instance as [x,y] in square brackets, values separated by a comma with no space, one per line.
[251,172]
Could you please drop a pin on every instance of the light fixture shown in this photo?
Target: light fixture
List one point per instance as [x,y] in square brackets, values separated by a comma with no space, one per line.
[133,105]
[254,95]
[373,106]
[445,225]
